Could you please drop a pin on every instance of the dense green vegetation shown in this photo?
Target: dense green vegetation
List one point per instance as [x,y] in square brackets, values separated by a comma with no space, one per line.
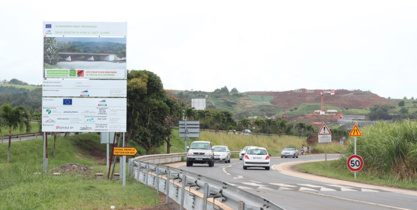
[389,152]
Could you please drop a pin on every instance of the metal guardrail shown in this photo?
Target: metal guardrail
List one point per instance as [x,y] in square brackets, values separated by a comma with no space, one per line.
[20,136]
[191,190]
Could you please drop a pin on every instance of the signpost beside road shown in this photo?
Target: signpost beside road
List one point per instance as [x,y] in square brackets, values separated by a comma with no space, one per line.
[355,132]
[355,163]
[189,129]
[325,136]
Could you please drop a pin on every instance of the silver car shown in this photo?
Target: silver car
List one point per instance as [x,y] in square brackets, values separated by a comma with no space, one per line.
[243,151]
[289,152]
[256,157]
[221,153]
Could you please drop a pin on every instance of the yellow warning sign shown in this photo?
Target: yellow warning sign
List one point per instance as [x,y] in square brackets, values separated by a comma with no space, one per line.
[125,151]
[355,131]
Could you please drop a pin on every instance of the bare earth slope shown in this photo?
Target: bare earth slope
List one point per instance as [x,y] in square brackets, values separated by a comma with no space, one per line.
[342,98]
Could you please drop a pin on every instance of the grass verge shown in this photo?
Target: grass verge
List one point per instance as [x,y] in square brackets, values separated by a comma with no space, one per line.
[21,188]
[336,169]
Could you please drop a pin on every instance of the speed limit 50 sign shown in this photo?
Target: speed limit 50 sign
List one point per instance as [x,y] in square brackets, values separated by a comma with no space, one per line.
[355,163]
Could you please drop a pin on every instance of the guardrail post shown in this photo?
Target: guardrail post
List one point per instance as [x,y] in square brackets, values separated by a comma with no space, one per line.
[20,137]
[168,180]
[157,180]
[241,205]
[184,181]
[138,175]
[205,195]
[147,173]
[128,166]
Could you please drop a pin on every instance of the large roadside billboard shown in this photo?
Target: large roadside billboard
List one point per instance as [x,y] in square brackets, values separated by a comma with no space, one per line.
[84,114]
[85,50]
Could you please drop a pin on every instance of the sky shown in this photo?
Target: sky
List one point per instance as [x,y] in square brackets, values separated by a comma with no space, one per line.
[268,45]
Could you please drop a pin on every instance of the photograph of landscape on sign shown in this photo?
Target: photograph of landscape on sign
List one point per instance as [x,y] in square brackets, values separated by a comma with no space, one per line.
[89,57]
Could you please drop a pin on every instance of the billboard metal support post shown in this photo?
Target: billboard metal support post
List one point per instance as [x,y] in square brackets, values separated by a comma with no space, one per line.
[124,163]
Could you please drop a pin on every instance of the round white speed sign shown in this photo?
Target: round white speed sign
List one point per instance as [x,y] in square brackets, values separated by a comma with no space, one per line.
[355,163]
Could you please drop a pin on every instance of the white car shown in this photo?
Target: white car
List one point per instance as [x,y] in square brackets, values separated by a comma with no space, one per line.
[221,153]
[289,152]
[243,151]
[256,157]
[200,152]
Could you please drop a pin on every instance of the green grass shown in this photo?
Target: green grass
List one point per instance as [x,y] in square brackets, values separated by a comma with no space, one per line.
[339,170]
[20,188]
[307,109]
[261,100]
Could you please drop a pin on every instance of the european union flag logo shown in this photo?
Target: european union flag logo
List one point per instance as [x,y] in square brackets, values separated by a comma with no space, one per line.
[48,25]
[67,101]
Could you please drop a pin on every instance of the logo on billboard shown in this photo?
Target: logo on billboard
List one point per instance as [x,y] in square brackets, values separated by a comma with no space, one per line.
[48,111]
[102,103]
[50,121]
[67,101]
[80,73]
[86,128]
[48,25]
[84,94]
[90,119]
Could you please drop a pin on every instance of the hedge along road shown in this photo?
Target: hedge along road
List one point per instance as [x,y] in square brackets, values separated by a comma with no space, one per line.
[294,190]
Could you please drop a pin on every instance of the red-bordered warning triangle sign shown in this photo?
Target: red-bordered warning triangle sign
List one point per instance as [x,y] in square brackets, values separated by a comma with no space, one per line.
[355,131]
[324,130]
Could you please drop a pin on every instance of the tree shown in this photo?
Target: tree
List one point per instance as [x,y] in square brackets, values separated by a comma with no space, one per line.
[259,125]
[50,50]
[14,118]
[217,119]
[401,103]
[300,127]
[270,124]
[147,109]
[17,82]
[234,90]
[245,123]
[175,113]
[282,126]
[379,113]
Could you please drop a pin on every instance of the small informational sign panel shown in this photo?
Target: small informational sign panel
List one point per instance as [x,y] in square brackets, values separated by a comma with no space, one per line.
[84,88]
[355,131]
[106,137]
[198,103]
[355,163]
[325,136]
[84,114]
[122,151]
[189,129]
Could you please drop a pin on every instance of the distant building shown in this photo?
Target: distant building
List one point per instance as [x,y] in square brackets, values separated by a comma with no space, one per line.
[198,104]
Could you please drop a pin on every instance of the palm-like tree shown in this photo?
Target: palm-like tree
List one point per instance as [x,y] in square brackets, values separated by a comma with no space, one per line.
[245,122]
[14,118]
[259,125]
[217,119]
[282,126]
[300,127]
[270,124]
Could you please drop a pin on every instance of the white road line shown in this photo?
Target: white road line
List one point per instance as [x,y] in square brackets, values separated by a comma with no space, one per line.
[357,201]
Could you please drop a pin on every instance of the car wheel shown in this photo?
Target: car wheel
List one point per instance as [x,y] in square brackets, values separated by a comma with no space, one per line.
[189,164]
[244,167]
[293,156]
[211,164]
[266,168]
[297,156]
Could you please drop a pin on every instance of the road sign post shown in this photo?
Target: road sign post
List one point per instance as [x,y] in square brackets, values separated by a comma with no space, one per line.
[325,136]
[355,133]
[189,129]
[355,163]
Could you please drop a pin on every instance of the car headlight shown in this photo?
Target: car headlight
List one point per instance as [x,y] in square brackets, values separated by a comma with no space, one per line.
[190,154]
[223,155]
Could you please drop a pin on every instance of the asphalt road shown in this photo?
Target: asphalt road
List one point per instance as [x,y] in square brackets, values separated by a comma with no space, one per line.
[294,190]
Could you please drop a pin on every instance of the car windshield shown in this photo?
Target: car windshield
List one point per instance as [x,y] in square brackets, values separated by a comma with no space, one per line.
[219,149]
[289,149]
[200,146]
[257,152]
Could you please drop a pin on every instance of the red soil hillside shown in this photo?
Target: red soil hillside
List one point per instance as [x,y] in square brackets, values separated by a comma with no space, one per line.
[342,98]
